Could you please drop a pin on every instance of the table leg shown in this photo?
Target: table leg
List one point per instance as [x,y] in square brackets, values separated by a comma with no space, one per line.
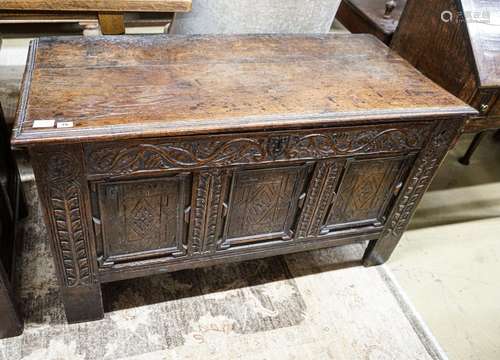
[496,136]
[111,23]
[64,196]
[465,160]
[426,165]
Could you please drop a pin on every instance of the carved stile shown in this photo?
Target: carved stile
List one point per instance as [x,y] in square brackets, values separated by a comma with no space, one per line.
[206,211]
[419,180]
[59,180]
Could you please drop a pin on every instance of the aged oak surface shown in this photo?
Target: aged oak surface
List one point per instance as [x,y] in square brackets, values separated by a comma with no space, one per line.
[98,5]
[461,53]
[158,85]
[162,153]
[110,13]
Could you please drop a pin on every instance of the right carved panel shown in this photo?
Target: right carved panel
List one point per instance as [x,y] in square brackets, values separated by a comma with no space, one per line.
[366,190]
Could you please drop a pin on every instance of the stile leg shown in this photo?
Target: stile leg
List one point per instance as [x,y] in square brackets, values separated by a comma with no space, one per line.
[426,165]
[83,303]
[65,199]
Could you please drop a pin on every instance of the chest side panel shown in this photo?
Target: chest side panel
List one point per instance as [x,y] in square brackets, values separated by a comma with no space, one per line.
[440,49]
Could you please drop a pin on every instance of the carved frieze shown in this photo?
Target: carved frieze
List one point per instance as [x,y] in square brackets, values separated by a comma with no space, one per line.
[224,150]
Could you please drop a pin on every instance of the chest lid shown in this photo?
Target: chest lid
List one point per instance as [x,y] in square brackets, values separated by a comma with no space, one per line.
[83,89]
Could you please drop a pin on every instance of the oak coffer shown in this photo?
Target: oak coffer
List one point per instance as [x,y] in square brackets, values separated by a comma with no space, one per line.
[161,153]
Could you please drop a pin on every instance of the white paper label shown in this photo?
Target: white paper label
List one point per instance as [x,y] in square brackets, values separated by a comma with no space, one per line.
[43,123]
[65,124]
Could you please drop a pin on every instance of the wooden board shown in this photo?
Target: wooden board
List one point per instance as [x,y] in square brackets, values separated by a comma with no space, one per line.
[130,86]
[98,5]
[484,34]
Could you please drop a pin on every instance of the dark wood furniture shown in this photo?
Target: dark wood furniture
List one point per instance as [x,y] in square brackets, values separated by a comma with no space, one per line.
[11,209]
[109,13]
[155,154]
[376,17]
[457,44]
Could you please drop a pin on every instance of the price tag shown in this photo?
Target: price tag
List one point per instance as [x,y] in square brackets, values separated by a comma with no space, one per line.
[65,124]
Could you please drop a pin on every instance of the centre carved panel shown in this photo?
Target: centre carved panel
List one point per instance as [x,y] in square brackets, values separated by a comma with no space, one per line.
[262,204]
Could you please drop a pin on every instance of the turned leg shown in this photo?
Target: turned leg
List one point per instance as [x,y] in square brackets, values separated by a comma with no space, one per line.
[111,23]
[465,160]
[65,199]
[426,165]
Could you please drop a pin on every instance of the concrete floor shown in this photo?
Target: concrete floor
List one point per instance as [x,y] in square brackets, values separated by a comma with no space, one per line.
[448,260]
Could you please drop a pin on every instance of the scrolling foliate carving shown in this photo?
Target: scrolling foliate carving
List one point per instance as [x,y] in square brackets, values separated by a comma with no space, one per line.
[206,211]
[61,184]
[181,153]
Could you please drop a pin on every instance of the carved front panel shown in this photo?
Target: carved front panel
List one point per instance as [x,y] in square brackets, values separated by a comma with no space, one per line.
[366,189]
[142,218]
[262,204]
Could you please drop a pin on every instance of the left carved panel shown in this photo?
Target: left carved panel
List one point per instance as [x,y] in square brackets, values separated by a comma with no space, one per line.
[60,179]
[138,219]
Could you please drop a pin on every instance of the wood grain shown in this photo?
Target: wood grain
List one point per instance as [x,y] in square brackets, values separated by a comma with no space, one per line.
[98,5]
[111,23]
[154,177]
[456,43]
[485,39]
[156,85]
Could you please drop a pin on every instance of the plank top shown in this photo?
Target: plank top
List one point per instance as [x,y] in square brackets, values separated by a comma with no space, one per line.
[83,89]
[98,5]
